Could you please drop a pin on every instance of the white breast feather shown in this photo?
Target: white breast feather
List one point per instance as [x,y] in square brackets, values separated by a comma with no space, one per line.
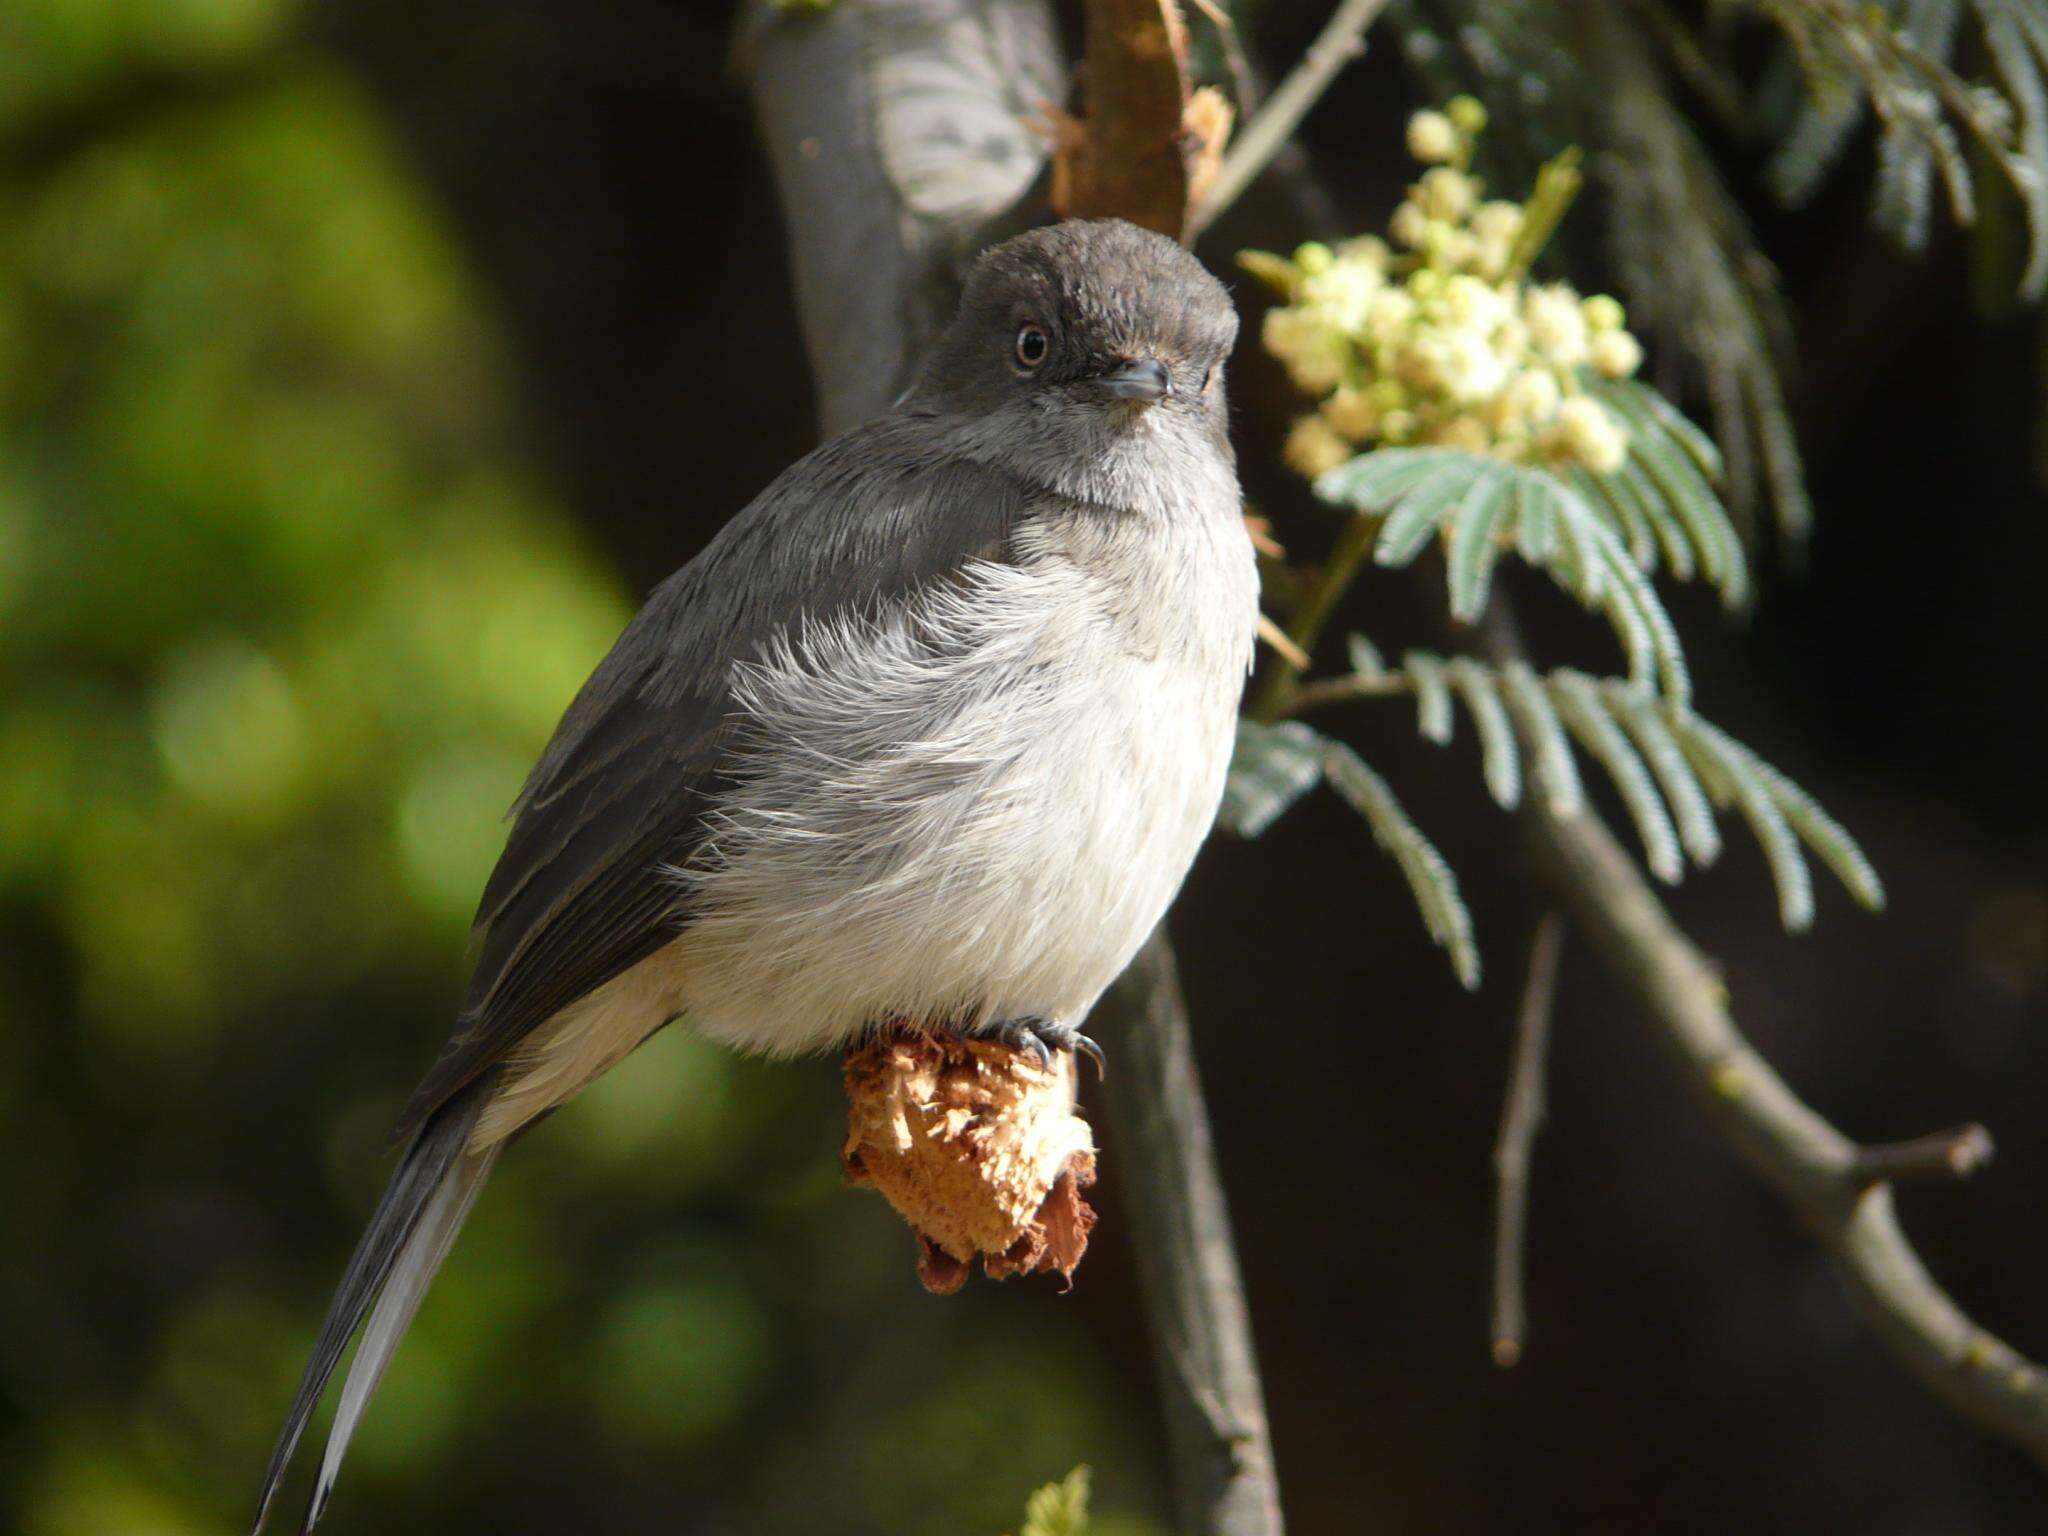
[969,813]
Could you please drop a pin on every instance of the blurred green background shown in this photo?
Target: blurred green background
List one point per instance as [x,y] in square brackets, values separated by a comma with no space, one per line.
[286,609]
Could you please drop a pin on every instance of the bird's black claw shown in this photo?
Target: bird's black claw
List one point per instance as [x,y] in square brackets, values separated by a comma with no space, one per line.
[1023,1035]
[1041,1039]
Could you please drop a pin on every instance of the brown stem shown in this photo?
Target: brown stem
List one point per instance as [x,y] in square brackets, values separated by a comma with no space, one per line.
[1224,1482]
[1522,1114]
[1940,1158]
[1354,542]
[1821,1174]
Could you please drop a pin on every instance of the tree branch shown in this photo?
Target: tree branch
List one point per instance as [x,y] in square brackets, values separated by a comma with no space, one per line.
[1224,1481]
[1823,1176]
[1522,1116]
[1341,40]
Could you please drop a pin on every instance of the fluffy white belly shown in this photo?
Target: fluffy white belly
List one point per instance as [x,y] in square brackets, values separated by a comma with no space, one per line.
[974,818]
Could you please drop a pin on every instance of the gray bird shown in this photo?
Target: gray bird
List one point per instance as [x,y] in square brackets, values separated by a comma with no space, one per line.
[930,733]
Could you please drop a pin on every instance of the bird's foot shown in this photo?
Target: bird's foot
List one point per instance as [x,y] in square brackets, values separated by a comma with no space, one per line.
[1042,1037]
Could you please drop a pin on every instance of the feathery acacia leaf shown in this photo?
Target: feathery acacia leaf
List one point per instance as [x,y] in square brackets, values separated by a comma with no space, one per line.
[2016,36]
[1895,61]
[1372,482]
[1501,759]
[1585,714]
[1275,765]
[1749,774]
[1681,787]
[1729,771]
[1483,506]
[1677,464]
[1271,767]
[1670,768]
[1551,768]
[1535,519]
[1429,878]
[1827,837]
[1474,548]
[1685,259]
[1432,695]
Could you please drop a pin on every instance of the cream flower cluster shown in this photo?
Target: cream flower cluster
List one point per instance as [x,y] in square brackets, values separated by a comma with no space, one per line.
[1435,337]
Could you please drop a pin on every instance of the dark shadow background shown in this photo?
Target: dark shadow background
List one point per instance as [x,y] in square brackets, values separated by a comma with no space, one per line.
[665,1315]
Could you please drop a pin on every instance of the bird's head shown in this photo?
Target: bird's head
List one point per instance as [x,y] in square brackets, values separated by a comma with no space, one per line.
[1075,335]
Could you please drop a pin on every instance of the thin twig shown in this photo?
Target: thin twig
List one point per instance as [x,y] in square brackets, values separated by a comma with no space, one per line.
[1243,83]
[1318,604]
[1282,643]
[1341,40]
[1942,1157]
[1522,1114]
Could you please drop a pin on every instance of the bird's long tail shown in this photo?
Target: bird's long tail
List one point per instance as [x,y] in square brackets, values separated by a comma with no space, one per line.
[409,1234]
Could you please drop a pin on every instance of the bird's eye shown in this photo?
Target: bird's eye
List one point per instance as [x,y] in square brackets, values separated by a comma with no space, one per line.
[1032,346]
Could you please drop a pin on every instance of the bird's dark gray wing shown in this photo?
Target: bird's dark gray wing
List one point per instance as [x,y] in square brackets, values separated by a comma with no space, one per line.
[621,793]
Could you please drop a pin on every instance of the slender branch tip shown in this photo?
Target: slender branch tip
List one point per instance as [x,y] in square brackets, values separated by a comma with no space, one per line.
[1940,1157]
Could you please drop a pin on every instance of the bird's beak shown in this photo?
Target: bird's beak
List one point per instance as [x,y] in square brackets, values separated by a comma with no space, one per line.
[1143,378]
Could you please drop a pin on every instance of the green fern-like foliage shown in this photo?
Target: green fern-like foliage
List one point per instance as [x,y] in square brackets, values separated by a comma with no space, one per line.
[1894,62]
[1275,765]
[1600,536]
[1671,770]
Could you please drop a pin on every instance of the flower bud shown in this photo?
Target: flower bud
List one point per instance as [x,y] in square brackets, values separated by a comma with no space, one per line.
[1557,330]
[1586,432]
[1313,257]
[1409,224]
[1447,194]
[1352,415]
[1467,115]
[1615,354]
[1532,396]
[1367,249]
[1390,312]
[1498,221]
[1313,446]
[1603,313]
[1432,137]
[1462,432]
[1470,369]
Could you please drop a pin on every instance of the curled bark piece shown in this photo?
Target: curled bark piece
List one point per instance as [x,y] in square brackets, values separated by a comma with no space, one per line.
[978,1147]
